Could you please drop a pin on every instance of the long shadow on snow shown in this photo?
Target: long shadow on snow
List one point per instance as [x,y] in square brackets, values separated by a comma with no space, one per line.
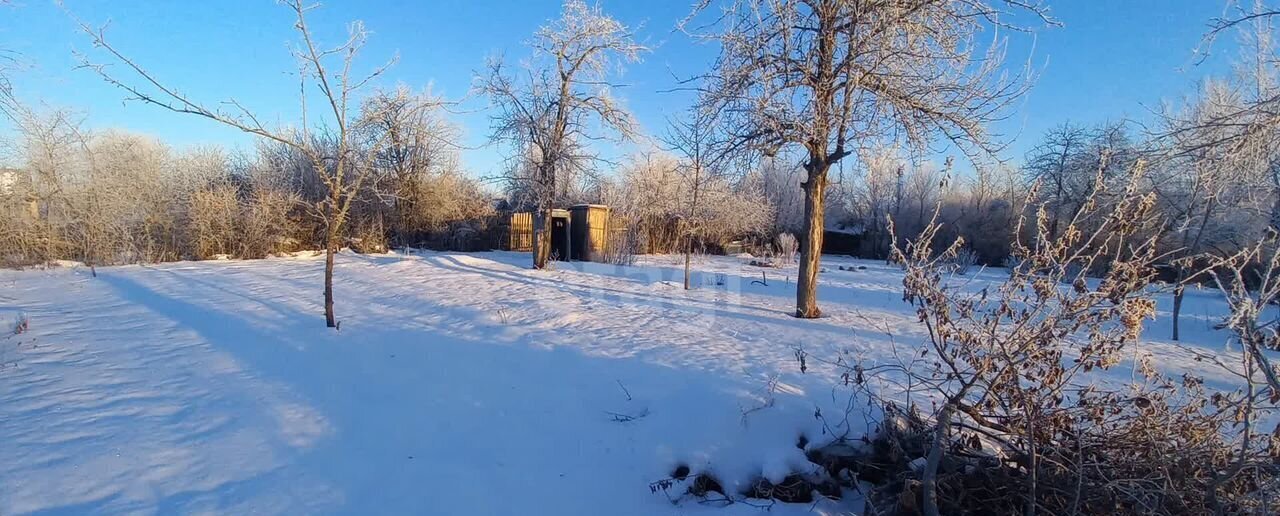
[744,276]
[719,309]
[406,410]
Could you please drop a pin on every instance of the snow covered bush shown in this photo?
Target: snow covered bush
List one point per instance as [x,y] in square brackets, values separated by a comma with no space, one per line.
[788,246]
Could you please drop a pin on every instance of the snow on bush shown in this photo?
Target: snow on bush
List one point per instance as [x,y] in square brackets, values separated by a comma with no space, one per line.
[788,246]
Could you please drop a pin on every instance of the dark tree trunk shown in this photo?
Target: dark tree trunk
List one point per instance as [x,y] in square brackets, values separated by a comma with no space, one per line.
[1177,305]
[546,188]
[811,245]
[542,238]
[688,252]
[330,243]
[332,233]
[1191,244]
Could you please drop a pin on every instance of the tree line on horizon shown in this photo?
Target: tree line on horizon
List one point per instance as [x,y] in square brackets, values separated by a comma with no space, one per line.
[811,119]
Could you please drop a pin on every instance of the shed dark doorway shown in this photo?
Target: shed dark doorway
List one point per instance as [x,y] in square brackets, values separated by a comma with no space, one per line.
[560,236]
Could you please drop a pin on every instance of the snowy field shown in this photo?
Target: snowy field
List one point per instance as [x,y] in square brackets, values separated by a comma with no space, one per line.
[458,384]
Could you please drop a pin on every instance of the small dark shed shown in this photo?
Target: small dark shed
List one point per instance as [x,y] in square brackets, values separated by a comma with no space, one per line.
[578,233]
[589,232]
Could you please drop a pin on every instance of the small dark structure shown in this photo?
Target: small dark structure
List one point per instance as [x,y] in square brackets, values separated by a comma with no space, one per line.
[589,232]
[578,233]
[841,242]
[561,238]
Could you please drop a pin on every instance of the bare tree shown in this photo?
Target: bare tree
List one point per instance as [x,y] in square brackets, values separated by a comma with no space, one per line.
[1209,192]
[834,76]
[1221,180]
[779,182]
[417,173]
[1067,160]
[339,166]
[1051,163]
[551,111]
[692,139]
[653,193]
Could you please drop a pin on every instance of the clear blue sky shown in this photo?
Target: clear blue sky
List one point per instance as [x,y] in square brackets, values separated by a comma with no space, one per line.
[1111,59]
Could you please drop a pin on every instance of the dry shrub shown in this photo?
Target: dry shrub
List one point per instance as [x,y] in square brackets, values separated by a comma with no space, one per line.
[222,222]
[1023,418]
[659,204]
[369,237]
[961,261]
[623,246]
[267,224]
[444,208]
[24,238]
[214,214]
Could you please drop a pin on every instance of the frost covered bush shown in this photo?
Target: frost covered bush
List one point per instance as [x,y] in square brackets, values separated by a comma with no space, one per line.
[788,246]
[113,198]
[623,246]
[1022,414]
[656,200]
[961,261]
[212,217]
[223,221]
[369,237]
[267,223]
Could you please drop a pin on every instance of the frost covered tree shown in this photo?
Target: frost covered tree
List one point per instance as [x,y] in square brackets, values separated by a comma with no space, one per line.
[780,182]
[1221,148]
[692,138]
[1052,163]
[1067,161]
[834,76]
[417,181]
[550,112]
[339,164]
[654,195]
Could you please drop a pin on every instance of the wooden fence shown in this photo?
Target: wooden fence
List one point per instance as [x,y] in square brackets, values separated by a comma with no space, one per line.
[521,232]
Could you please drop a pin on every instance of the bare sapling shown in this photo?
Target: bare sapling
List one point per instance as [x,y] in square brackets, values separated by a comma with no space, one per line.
[338,160]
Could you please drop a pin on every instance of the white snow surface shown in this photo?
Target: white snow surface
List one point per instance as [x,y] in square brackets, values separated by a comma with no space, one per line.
[458,384]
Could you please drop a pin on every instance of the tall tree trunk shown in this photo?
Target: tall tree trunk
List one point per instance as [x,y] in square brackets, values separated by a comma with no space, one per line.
[330,249]
[1177,304]
[541,238]
[811,247]
[688,252]
[546,188]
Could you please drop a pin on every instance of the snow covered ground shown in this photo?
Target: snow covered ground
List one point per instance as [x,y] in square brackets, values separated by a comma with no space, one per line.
[458,384]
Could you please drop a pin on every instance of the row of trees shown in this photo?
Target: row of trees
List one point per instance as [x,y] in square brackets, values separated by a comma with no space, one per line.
[822,80]
[801,90]
[112,197]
